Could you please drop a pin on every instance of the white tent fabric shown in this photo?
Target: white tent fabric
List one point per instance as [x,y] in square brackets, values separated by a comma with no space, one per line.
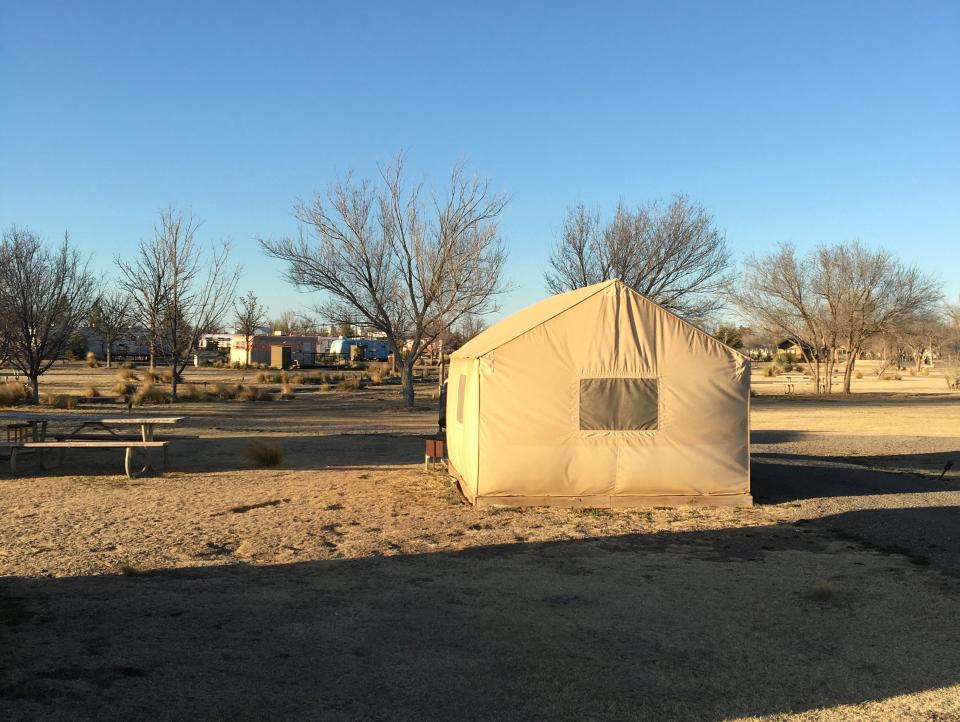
[599,397]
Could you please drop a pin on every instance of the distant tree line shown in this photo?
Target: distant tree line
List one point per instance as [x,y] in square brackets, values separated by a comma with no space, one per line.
[426,266]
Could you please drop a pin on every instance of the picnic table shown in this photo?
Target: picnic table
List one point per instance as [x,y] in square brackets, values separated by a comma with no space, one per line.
[34,432]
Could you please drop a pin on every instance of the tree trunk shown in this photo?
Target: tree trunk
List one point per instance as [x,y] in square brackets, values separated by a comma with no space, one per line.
[406,381]
[35,388]
[848,374]
[173,382]
[108,355]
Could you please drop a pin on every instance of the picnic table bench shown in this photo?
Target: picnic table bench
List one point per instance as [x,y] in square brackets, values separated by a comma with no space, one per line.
[32,433]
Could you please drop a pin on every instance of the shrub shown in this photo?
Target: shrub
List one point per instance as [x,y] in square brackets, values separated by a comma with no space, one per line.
[125,374]
[192,392]
[91,361]
[124,388]
[151,377]
[264,453]
[91,392]
[263,378]
[326,387]
[127,365]
[149,394]
[223,392]
[859,374]
[769,371]
[167,376]
[12,393]
[353,383]
[60,401]
[252,393]
[286,393]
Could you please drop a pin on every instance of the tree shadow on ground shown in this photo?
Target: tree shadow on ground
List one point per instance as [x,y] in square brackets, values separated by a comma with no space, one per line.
[860,400]
[928,535]
[697,625]
[778,478]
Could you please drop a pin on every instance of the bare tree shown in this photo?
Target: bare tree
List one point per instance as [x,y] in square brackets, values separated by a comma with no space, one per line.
[674,255]
[923,335]
[952,319]
[46,294]
[250,316]
[292,323]
[6,320]
[110,317]
[834,299]
[385,258]
[187,289]
[144,281]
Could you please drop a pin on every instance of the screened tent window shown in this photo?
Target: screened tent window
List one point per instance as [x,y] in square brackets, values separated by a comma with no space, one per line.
[619,404]
[461,392]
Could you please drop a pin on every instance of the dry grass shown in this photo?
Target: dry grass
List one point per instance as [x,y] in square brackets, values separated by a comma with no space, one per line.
[351,383]
[91,361]
[59,401]
[252,393]
[125,373]
[349,525]
[148,394]
[124,388]
[91,392]
[13,393]
[264,453]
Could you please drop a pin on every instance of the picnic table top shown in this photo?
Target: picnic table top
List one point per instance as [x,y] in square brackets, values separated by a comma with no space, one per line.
[107,420]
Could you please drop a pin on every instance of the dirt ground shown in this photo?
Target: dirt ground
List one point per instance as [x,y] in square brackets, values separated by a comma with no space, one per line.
[348,583]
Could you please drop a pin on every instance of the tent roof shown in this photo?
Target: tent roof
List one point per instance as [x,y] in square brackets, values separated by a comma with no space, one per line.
[525,319]
[539,313]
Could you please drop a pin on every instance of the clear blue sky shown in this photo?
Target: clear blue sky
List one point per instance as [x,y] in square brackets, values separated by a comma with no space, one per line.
[803,122]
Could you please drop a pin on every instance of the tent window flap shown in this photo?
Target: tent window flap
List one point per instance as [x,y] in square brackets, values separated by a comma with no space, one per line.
[614,404]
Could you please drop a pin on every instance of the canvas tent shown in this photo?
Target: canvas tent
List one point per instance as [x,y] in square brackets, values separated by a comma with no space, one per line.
[599,397]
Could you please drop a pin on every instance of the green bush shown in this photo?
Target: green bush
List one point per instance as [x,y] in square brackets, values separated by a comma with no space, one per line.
[76,347]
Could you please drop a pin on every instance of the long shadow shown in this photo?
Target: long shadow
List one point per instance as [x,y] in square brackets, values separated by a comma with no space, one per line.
[879,398]
[778,478]
[229,453]
[926,535]
[665,626]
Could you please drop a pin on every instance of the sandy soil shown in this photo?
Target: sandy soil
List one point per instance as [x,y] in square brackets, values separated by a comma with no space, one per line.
[348,583]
